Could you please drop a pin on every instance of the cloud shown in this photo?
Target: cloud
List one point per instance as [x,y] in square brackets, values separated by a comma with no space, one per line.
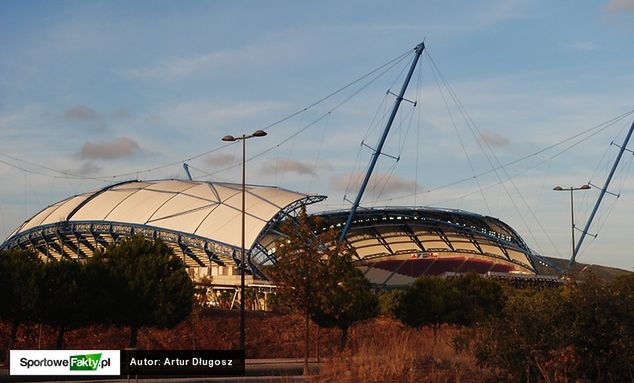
[122,113]
[380,184]
[494,139]
[81,113]
[86,169]
[621,5]
[283,166]
[119,147]
[220,160]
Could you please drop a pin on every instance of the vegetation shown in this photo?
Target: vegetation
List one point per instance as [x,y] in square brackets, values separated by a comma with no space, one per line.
[19,274]
[318,280]
[150,285]
[347,300]
[300,268]
[135,283]
[580,332]
[434,301]
[65,300]
[389,301]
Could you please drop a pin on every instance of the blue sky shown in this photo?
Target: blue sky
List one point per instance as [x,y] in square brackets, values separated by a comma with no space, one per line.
[105,88]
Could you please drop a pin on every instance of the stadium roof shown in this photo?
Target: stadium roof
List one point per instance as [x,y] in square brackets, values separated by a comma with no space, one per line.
[377,233]
[189,213]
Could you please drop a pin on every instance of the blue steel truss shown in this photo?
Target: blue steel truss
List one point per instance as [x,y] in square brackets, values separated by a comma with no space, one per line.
[449,225]
[79,239]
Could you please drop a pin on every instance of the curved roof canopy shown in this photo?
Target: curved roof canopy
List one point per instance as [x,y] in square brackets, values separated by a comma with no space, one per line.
[190,212]
[377,233]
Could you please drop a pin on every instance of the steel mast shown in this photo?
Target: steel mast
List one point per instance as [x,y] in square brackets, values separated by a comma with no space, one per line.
[375,156]
[603,191]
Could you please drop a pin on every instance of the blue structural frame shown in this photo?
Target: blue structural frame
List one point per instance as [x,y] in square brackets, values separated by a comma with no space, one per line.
[473,228]
[78,239]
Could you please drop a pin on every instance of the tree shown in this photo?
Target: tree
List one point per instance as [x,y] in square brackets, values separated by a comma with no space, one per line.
[19,274]
[389,301]
[464,300]
[300,266]
[579,332]
[349,298]
[150,285]
[475,299]
[64,297]
[427,302]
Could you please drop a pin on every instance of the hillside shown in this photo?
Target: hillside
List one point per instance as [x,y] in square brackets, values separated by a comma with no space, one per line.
[606,273]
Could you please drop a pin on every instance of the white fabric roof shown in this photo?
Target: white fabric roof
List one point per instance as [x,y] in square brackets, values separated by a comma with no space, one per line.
[205,209]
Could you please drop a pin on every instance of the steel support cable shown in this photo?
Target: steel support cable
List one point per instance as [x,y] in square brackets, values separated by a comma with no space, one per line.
[374,123]
[389,64]
[409,116]
[462,145]
[603,126]
[474,129]
[504,170]
[70,175]
[383,107]
[533,166]
[381,183]
[223,179]
[356,165]
[314,122]
[603,218]
[25,170]
[318,156]
[388,176]
[514,175]
[63,174]
[603,166]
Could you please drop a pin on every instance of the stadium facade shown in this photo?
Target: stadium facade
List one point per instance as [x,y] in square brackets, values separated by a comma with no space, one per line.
[201,222]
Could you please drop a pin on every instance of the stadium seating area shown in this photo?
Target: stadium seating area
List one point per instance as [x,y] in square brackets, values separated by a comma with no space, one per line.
[438,266]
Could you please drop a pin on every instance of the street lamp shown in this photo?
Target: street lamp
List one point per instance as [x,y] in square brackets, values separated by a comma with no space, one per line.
[572,211]
[243,138]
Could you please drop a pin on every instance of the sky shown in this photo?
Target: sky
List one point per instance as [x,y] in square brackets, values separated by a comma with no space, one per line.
[510,97]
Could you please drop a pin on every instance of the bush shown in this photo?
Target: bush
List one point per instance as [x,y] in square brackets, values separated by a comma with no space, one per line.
[465,300]
[389,301]
[580,331]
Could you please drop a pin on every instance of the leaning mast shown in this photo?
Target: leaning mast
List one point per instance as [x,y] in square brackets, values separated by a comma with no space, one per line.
[418,50]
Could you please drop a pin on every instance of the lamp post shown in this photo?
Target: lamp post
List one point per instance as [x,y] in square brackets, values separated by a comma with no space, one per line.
[243,138]
[572,211]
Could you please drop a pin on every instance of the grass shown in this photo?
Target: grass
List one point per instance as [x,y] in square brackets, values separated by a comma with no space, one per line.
[379,350]
[384,351]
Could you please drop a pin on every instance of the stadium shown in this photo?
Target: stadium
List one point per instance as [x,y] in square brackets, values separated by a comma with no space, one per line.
[201,222]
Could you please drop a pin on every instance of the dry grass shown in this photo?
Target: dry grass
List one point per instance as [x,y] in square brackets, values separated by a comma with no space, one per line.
[388,352]
[379,350]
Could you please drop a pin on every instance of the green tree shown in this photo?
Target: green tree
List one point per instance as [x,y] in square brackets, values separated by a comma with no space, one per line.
[464,300]
[300,266]
[427,302]
[529,328]
[150,286]
[19,274]
[64,297]
[474,300]
[389,301]
[582,331]
[349,298]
